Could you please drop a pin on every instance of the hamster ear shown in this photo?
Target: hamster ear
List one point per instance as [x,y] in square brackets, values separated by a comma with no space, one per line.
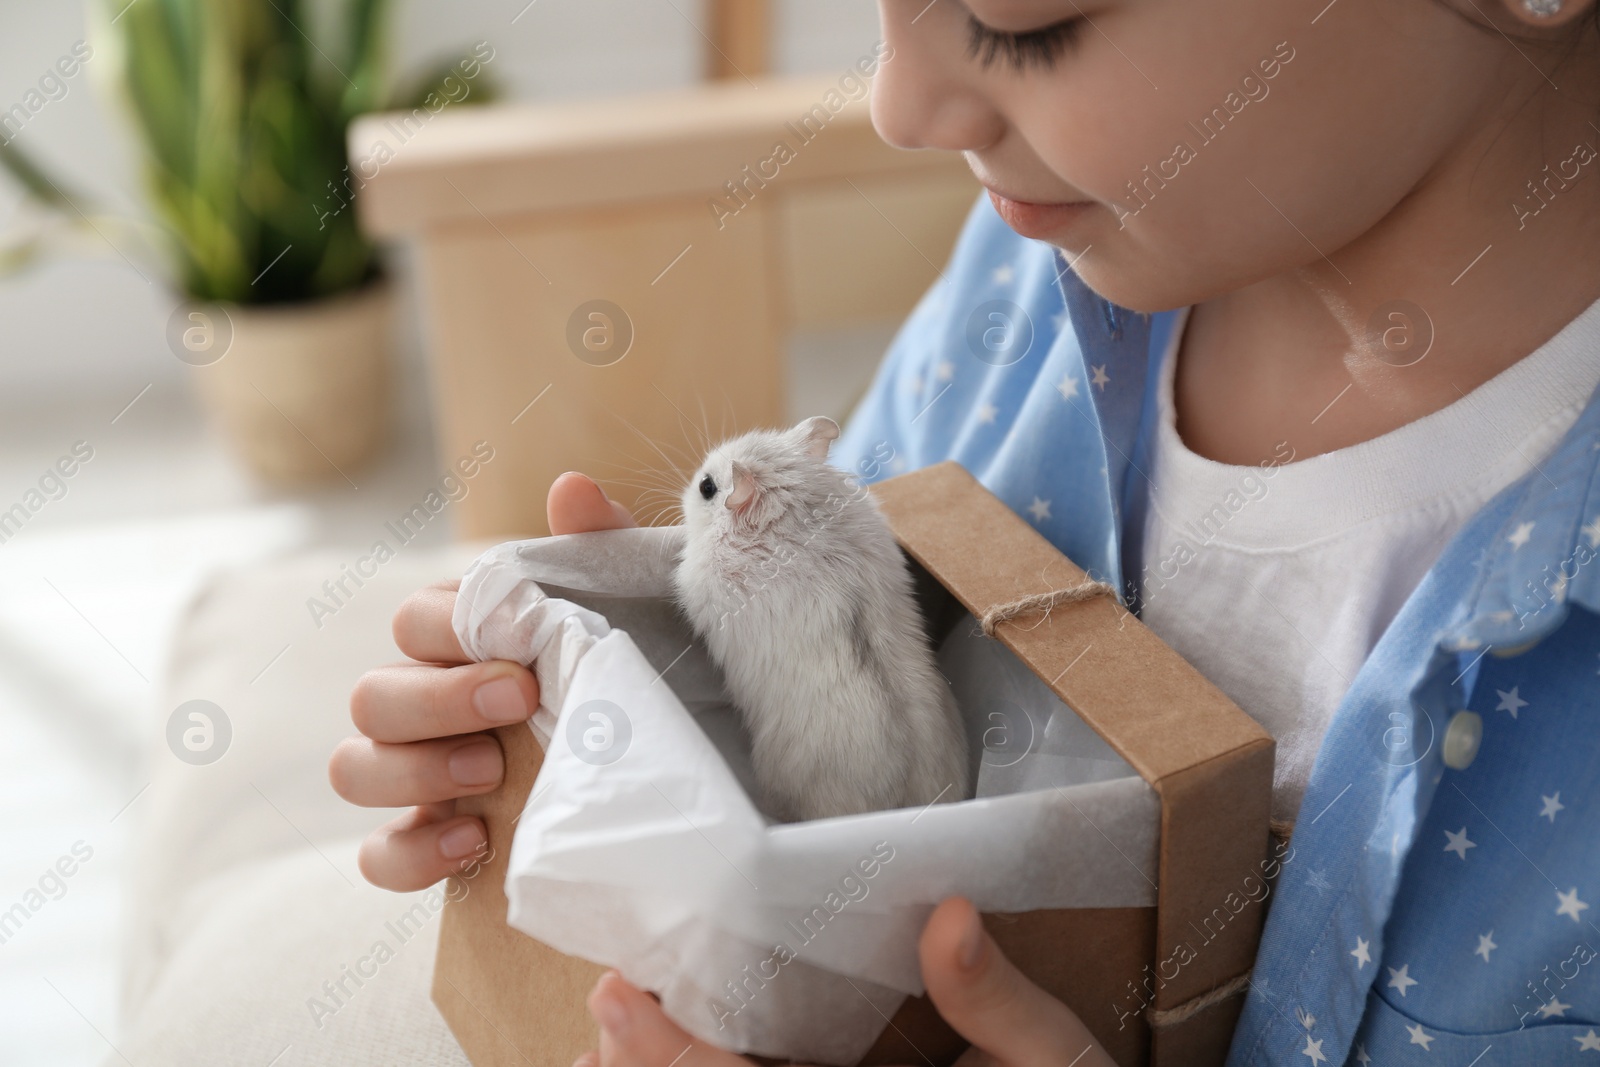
[742,492]
[817,433]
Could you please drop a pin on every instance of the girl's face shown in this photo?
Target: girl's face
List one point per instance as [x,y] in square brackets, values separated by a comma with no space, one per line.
[1181,149]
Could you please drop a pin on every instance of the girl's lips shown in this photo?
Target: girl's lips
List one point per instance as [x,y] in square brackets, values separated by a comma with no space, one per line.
[1038,221]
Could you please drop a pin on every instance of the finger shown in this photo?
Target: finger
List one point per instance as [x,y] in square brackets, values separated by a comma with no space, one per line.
[422,627]
[376,775]
[421,847]
[635,1032]
[417,701]
[577,504]
[990,1002]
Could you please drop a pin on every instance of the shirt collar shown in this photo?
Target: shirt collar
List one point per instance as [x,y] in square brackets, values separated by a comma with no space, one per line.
[1130,343]
[1543,558]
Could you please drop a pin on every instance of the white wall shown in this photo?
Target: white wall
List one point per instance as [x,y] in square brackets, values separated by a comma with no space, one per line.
[92,323]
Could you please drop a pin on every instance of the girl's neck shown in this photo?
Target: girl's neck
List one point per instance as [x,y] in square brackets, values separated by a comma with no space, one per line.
[1472,271]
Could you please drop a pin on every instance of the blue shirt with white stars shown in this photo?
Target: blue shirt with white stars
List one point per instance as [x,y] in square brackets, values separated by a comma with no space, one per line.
[1434,912]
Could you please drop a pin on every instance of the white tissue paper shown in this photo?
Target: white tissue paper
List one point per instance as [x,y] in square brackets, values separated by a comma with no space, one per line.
[640,849]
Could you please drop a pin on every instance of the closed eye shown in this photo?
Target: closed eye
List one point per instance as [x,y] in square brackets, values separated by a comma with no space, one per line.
[1040,47]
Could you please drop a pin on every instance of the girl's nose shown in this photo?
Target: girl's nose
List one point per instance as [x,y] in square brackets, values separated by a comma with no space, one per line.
[927,94]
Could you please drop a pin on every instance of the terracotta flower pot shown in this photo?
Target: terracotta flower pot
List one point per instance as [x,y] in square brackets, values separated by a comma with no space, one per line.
[301,391]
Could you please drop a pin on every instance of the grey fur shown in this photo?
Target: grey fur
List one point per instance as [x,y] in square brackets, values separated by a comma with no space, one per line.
[792,578]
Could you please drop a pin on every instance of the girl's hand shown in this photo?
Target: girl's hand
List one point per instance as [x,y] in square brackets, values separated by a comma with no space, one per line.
[1010,1021]
[423,722]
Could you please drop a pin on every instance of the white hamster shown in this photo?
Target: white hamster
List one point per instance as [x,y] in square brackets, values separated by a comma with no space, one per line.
[791,576]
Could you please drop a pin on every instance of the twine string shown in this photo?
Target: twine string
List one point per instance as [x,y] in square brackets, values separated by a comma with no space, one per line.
[1190,1008]
[1087,589]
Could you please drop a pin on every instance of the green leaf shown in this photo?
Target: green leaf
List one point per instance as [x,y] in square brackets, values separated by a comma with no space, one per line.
[242,116]
[366,31]
[458,81]
[33,177]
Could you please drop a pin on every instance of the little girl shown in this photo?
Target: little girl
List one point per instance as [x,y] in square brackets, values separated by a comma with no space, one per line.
[1281,316]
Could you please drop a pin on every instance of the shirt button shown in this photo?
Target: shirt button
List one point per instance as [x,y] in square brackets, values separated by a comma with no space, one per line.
[1461,740]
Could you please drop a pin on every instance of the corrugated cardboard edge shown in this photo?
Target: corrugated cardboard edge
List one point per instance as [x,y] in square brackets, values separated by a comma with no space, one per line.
[1209,761]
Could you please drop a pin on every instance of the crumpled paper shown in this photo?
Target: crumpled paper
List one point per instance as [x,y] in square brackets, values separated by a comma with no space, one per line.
[640,849]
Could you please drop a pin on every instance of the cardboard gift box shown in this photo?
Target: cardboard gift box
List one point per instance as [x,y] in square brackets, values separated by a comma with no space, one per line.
[1159,985]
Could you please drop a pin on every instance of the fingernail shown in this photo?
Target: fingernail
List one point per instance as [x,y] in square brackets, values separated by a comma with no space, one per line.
[609,1007]
[476,764]
[461,841]
[500,700]
[970,951]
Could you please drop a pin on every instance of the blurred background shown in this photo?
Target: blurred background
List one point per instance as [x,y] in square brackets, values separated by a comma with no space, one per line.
[284,282]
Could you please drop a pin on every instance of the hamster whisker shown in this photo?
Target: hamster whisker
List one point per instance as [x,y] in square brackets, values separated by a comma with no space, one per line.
[673,479]
[676,464]
[653,518]
[705,442]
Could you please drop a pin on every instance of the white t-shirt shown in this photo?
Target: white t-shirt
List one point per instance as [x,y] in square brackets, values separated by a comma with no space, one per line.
[1276,581]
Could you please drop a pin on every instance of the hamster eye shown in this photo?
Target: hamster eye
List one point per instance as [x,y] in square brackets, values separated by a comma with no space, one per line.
[708,488]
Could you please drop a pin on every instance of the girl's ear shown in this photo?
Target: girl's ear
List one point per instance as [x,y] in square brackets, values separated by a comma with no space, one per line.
[1548,13]
[742,493]
[817,433]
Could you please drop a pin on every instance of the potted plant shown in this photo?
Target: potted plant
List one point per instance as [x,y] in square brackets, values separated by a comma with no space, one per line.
[241,116]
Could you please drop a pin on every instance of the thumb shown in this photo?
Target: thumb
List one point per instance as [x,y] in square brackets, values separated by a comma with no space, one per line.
[577,504]
[992,1004]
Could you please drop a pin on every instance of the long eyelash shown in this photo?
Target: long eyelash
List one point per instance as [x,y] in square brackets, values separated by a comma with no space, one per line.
[1021,50]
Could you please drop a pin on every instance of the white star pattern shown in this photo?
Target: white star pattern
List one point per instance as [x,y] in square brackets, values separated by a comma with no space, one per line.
[1570,904]
[1554,1009]
[1459,843]
[987,412]
[1361,952]
[1068,388]
[1520,535]
[1510,701]
[1486,945]
[1040,509]
[1420,1038]
[1552,804]
[945,370]
[1305,1018]
[1588,1042]
[1002,274]
[1318,881]
[914,385]
[1313,1051]
[1059,320]
[1101,378]
[1401,979]
[1361,1055]
[1592,532]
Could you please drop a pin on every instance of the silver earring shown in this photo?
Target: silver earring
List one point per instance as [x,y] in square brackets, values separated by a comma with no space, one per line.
[1542,9]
